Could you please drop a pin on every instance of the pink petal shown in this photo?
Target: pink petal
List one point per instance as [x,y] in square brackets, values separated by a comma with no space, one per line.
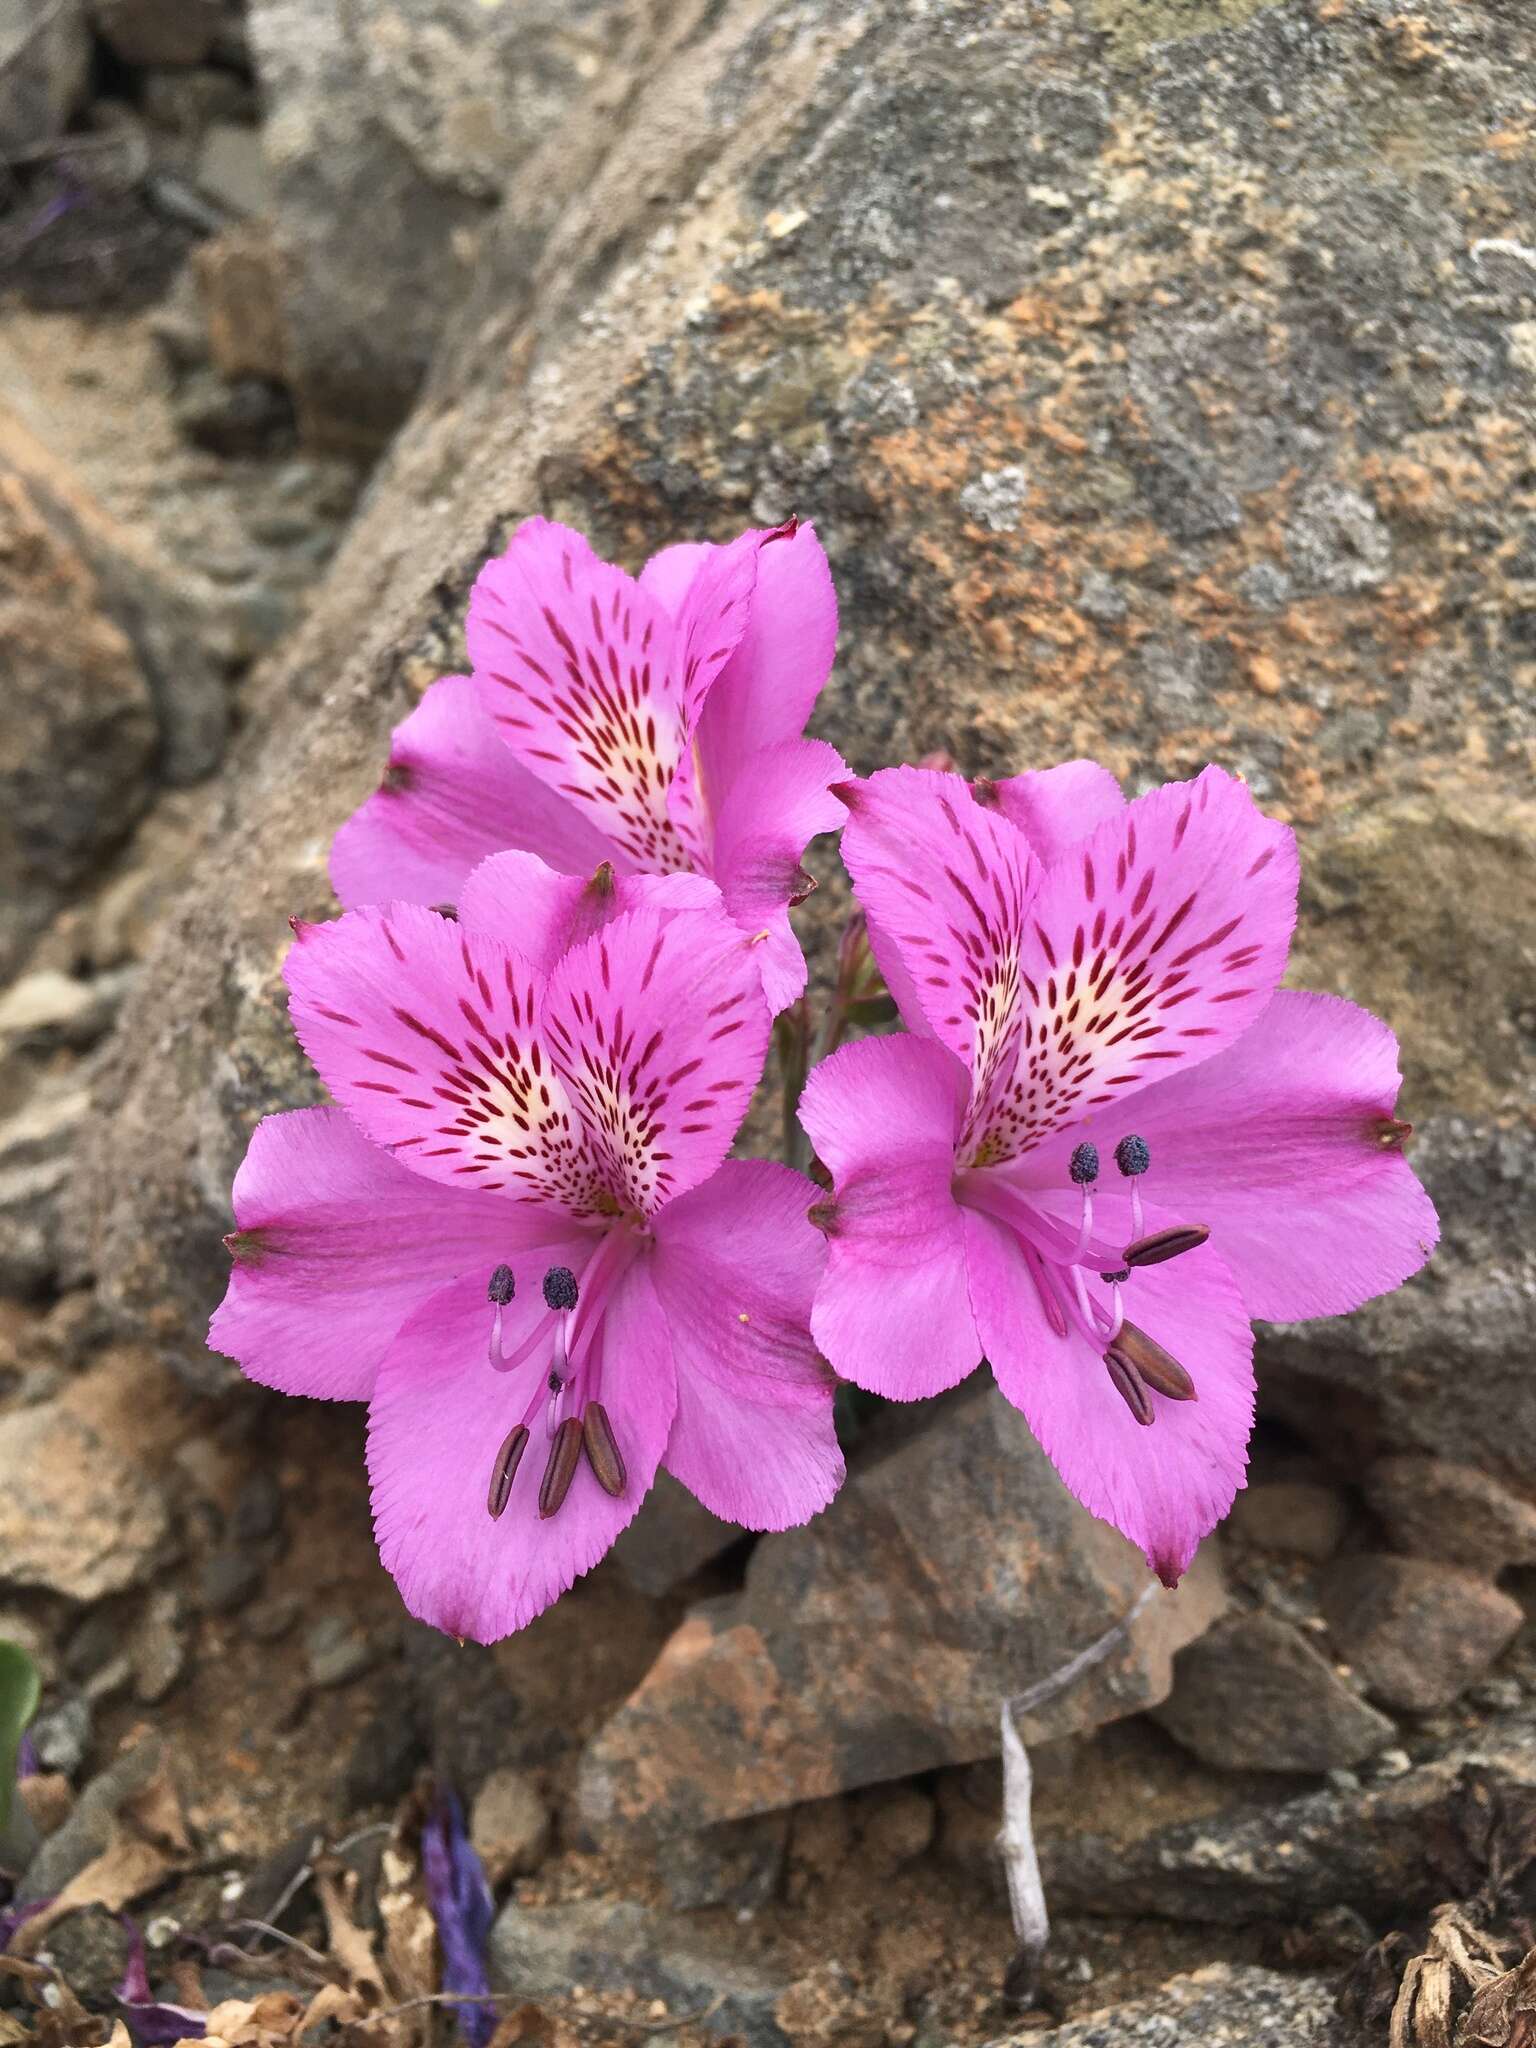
[452,794]
[1165,1487]
[437,1420]
[668,576]
[660,1030]
[427,1034]
[541,914]
[735,1271]
[336,1244]
[1284,1145]
[892,1312]
[582,672]
[944,884]
[768,689]
[1152,944]
[713,616]
[1055,807]
[780,802]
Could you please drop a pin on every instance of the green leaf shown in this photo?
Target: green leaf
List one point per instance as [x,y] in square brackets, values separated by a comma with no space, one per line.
[19,1690]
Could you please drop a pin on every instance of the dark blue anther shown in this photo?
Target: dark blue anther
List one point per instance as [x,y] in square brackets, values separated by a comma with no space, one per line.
[502,1287]
[560,1287]
[1085,1164]
[1133,1156]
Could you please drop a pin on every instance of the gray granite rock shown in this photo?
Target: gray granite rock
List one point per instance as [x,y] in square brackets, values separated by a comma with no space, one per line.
[1418,1633]
[1253,1694]
[45,61]
[1224,2006]
[951,1572]
[544,1951]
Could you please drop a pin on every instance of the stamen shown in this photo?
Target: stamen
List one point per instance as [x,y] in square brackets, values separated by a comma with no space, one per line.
[1159,1368]
[499,1293]
[1126,1382]
[560,1290]
[1084,1169]
[504,1471]
[1133,1156]
[1163,1245]
[564,1457]
[1114,1279]
[602,1452]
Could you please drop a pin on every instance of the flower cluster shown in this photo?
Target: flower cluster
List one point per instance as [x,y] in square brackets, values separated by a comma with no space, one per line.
[1105,1140]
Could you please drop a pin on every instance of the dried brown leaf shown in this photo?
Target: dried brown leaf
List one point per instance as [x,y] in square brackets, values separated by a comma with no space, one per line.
[1503,2014]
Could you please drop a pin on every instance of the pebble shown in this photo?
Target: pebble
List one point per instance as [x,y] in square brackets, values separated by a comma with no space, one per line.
[336,1652]
[230,1578]
[510,1825]
[62,1735]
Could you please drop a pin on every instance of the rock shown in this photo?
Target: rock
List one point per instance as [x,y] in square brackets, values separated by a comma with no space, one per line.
[91,558]
[896,1826]
[246,416]
[670,1539]
[1291,1517]
[1433,1508]
[85,1835]
[146,32]
[238,280]
[415,119]
[232,169]
[878,1641]
[1225,2005]
[78,741]
[81,1513]
[37,1152]
[1372,1848]
[509,1825]
[89,1950]
[61,1736]
[45,63]
[188,101]
[642,354]
[337,1653]
[541,1951]
[1253,1695]
[49,1008]
[159,1647]
[230,1578]
[1417,1633]
[737,1864]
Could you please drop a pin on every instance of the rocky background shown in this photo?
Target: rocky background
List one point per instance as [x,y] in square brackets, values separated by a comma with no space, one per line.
[1161,376]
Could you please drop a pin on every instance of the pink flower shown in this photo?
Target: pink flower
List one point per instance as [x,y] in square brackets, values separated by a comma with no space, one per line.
[1110,1139]
[519,1239]
[651,722]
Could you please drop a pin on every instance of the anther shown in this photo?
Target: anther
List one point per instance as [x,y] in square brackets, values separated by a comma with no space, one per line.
[1133,1156]
[564,1457]
[1159,1368]
[824,1216]
[502,1287]
[1127,1383]
[1084,1165]
[504,1471]
[560,1288]
[1114,1279]
[1166,1244]
[802,883]
[602,1452]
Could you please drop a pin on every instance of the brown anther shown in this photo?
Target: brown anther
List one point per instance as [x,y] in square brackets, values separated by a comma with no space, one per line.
[448,910]
[245,1247]
[1392,1133]
[1166,1244]
[603,882]
[986,793]
[824,1216]
[802,883]
[1127,1384]
[504,1471]
[602,1452]
[396,777]
[564,1457]
[1159,1368]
